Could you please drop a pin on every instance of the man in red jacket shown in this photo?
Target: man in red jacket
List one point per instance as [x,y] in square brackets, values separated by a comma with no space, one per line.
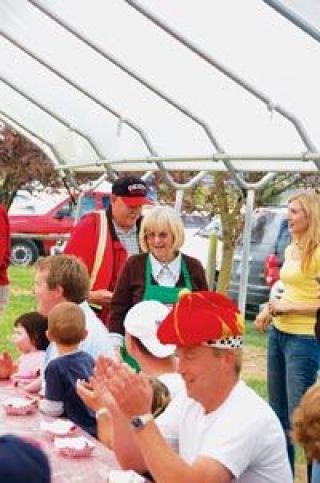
[120,239]
[4,258]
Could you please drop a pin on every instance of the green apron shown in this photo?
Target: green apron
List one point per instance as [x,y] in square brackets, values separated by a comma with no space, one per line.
[165,295]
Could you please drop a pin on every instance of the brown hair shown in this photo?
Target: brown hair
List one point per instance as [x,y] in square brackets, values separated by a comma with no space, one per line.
[36,326]
[69,272]
[161,396]
[66,324]
[306,423]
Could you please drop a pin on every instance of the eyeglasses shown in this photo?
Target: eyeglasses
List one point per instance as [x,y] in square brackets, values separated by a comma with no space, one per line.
[151,235]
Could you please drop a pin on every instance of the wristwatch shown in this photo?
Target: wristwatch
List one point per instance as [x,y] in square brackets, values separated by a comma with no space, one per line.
[139,422]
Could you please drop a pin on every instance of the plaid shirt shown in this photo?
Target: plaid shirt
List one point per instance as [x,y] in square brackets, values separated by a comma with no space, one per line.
[129,239]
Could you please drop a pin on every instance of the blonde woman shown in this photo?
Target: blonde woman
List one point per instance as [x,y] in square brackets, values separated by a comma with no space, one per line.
[161,271]
[293,351]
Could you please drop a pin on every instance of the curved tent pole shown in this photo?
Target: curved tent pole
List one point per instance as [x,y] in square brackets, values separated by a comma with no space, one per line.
[227,72]
[31,136]
[59,119]
[294,18]
[184,110]
[83,91]
[64,171]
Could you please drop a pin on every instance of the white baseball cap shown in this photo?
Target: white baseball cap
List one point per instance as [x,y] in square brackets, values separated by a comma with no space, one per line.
[143,320]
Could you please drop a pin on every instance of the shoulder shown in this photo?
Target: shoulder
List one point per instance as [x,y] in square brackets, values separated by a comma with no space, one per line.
[192,262]
[137,260]
[54,365]
[84,356]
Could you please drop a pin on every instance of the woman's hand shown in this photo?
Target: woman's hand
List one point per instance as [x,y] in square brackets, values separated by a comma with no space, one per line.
[279,306]
[262,322]
[263,319]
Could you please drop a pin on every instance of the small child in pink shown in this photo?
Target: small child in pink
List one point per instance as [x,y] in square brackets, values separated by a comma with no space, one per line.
[30,338]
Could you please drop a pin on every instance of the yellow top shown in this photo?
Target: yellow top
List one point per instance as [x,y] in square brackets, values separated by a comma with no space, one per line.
[298,287]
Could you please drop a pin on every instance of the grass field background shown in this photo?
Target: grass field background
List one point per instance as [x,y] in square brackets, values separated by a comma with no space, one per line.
[254,365]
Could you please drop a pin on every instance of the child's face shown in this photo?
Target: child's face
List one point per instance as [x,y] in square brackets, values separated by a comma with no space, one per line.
[22,340]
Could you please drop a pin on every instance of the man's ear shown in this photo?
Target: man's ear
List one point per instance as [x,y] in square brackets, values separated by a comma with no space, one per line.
[59,291]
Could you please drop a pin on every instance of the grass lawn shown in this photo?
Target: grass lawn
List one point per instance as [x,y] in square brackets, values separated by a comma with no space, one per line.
[21,301]
[254,366]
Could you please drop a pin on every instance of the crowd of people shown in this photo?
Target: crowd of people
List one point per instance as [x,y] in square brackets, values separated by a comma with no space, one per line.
[129,344]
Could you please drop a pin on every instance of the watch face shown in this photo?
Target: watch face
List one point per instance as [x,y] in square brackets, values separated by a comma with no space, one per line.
[137,422]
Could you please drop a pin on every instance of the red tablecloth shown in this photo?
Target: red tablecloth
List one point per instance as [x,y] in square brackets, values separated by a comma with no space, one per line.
[94,469]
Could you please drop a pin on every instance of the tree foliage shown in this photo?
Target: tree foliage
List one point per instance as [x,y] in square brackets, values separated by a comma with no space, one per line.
[21,165]
[223,197]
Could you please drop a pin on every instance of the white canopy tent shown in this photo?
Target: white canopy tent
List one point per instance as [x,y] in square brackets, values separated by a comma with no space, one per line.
[147,85]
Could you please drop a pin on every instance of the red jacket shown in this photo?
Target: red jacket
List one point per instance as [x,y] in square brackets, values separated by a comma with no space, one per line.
[83,243]
[4,246]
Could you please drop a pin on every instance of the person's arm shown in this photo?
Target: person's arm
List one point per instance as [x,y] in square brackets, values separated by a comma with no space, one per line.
[294,307]
[199,277]
[97,401]
[122,299]
[166,465]
[100,297]
[133,394]
[51,408]
[263,319]
[4,237]
[33,386]
[83,240]
[53,402]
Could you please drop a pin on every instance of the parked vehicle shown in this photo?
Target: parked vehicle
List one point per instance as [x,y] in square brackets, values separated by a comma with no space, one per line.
[37,226]
[269,237]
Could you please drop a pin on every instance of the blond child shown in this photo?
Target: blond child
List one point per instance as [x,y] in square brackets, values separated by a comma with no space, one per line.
[66,328]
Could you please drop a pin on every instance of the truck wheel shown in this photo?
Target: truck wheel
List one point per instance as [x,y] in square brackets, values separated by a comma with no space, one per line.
[23,252]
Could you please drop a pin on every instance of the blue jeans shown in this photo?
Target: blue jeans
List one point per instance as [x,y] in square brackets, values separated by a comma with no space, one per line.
[315,472]
[293,362]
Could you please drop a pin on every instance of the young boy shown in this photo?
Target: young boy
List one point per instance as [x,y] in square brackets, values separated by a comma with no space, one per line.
[66,327]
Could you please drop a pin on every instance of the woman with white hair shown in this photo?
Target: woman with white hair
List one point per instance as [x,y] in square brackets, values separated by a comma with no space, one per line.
[161,271]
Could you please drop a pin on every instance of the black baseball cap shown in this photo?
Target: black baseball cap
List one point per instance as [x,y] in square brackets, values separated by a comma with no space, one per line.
[132,190]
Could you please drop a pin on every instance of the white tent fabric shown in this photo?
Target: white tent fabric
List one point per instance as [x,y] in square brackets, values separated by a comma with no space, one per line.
[75,96]
[203,85]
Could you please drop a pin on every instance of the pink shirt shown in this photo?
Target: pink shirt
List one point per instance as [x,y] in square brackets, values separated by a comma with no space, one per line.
[29,365]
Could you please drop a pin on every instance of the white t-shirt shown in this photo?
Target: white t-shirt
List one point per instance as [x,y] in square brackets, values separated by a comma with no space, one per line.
[243,434]
[174,383]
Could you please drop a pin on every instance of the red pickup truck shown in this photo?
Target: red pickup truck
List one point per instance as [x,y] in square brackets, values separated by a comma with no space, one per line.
[37,228]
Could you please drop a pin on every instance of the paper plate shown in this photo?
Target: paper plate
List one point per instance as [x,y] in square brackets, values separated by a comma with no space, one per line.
[18,406]
[77,447]
[60,428]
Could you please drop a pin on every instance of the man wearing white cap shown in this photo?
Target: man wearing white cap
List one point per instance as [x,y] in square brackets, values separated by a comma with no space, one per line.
[155,359]
[221,431]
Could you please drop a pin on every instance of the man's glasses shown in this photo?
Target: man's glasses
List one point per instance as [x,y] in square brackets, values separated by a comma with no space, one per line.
[151,235]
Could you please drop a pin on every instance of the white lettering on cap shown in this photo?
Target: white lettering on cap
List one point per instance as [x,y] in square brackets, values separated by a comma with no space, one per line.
[136,187]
